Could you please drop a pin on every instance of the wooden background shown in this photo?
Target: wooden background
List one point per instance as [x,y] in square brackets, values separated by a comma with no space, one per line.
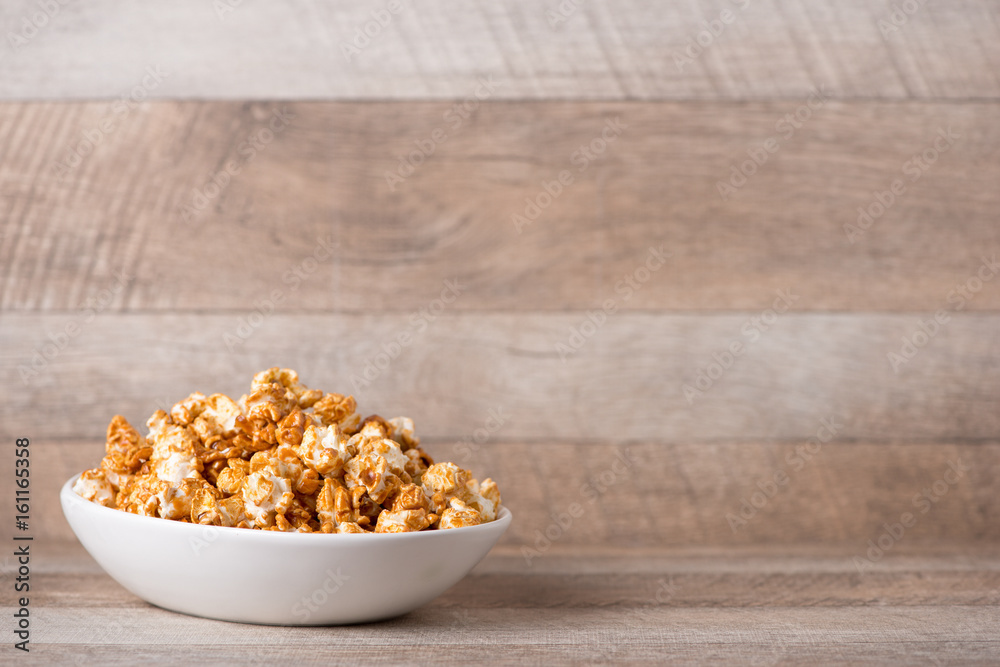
[193,283]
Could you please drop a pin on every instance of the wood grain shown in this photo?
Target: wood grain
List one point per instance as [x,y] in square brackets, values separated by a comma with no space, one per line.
[665,627]
[716,607]
[656,495]
[624,383]
[319,189]
[628,647]
[604,49]
[615,647]
[720,582]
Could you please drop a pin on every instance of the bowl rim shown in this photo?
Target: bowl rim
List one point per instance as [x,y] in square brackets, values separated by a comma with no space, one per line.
[67,495]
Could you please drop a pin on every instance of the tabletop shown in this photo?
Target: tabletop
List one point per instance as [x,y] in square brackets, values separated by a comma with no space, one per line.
[931,605]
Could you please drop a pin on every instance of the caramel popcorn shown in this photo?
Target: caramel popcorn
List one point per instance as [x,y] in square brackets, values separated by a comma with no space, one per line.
[458,514]
[95,487]
[285,458]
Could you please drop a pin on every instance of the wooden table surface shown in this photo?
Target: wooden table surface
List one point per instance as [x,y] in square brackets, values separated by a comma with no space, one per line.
[930,605]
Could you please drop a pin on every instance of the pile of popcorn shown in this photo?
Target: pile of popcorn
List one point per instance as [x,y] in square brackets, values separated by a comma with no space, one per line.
[284,457]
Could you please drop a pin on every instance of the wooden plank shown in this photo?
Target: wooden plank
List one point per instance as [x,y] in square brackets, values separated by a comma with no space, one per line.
[962,556]
[625,383]
[517,590]
[616,647]
[657,628]
[603,49]
[316,224]
[691,495]
[758,605]
[976,559]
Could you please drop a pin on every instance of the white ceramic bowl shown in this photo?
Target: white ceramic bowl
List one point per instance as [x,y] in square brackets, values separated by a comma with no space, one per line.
[253,576]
